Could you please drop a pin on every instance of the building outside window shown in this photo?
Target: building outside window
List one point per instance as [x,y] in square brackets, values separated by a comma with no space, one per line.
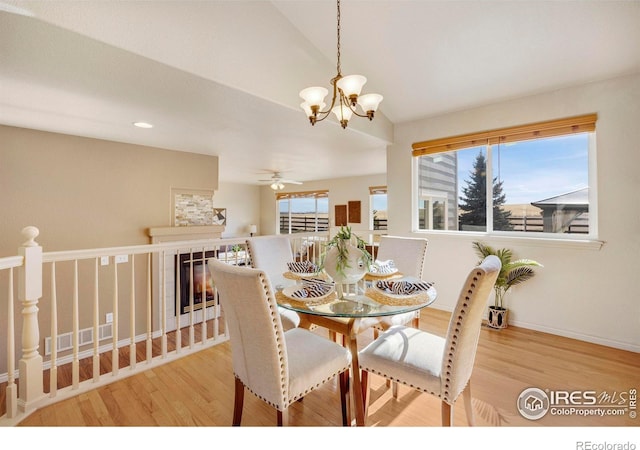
[539,180]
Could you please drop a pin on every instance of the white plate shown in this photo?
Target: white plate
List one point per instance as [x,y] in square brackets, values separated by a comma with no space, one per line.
[382,275]
[289,290]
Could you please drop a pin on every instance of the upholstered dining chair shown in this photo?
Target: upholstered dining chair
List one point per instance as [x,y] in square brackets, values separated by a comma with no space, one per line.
[278,367]
[408,255]
[271,254]
[440,366]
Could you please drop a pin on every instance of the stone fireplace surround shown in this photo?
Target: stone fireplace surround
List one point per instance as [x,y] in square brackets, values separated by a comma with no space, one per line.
[177,234]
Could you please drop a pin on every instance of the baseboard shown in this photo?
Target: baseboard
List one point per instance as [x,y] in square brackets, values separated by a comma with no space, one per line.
[579,336]
[568,334]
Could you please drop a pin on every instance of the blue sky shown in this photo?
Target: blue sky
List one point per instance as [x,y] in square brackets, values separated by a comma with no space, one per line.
[535,170]
[530,171]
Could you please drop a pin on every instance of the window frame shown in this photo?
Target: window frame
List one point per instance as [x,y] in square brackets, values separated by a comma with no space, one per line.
[294,195]
[377,190]
[547,129]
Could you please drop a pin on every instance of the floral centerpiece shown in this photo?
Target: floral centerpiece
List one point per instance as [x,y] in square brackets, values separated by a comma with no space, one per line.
[346,259]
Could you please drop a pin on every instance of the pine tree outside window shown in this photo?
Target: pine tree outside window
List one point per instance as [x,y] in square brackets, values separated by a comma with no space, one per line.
[539,180]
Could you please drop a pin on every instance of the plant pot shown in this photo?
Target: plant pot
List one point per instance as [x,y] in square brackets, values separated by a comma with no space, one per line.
[498,317]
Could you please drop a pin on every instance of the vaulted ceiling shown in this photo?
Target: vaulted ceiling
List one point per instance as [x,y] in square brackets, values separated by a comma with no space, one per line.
[222,77]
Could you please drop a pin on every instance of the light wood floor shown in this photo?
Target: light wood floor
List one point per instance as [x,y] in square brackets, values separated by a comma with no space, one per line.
[197,390]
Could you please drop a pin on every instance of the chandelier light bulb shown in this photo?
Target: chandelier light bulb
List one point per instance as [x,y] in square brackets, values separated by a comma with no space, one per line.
[343,113]
[308,110]
[314,96]
[351,86]
[369,103]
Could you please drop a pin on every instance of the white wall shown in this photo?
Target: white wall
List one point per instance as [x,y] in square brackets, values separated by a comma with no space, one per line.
[583,291]
[243,207]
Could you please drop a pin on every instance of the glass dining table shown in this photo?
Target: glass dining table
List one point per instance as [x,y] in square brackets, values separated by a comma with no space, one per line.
[351,313]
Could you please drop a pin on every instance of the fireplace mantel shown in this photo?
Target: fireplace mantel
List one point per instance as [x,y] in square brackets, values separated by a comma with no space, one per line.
[172,234]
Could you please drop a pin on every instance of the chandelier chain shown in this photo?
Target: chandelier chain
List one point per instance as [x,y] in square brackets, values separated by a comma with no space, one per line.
[338,32]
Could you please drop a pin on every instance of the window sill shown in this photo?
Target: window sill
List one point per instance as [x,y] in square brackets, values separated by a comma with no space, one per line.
[538,241]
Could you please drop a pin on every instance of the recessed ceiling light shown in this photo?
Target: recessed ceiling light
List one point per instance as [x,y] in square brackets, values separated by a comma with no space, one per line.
[143,125]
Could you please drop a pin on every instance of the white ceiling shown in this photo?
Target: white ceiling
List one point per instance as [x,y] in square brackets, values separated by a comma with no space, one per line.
[222,77]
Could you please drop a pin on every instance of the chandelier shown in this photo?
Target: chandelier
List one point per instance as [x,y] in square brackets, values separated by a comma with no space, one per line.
[346,96]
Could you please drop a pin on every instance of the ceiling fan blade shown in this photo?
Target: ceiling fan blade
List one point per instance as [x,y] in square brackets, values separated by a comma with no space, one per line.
[291,181]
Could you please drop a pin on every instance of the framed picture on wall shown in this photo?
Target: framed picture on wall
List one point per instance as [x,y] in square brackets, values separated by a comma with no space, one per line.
[354,211]
[219,216]
[341,215]
[192,207]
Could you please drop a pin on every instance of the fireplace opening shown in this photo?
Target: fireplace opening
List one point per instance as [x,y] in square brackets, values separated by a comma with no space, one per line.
[191,266]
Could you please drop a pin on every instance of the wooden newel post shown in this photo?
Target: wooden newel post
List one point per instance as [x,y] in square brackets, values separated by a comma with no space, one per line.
[29,292]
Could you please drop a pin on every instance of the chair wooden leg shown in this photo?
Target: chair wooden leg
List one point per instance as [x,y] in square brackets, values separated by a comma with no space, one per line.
[238,402]
[447,414]
[344,398]
[468,407]
[364,379]
[394,389]
[283,417]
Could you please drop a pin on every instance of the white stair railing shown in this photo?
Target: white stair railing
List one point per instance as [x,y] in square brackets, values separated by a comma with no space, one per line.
[136,285]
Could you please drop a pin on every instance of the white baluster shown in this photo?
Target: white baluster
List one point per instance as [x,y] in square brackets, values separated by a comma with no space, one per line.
[149,346]
[204,296]
[163,305]
[75,364]
[178,303]
[96,325]
[132,316]
[12,388]
[191,301]
[53,372]
[115,355]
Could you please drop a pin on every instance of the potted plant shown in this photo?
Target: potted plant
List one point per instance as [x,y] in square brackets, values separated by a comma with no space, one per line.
[512,272]
[346,259]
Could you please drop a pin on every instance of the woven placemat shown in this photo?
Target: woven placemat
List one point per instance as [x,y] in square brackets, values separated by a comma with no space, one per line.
[299,276]
[381,297]
[390,276]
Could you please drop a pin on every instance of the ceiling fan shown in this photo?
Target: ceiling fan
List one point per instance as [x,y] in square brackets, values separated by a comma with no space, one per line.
[277,182]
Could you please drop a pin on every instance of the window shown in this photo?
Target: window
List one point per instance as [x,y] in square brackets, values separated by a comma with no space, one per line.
[378,202]
[302,212]
[539,179]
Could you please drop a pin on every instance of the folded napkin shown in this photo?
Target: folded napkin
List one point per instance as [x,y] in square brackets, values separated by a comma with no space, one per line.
[316,281]
[312,291]
[383,267]
[302,267]
[404,287]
